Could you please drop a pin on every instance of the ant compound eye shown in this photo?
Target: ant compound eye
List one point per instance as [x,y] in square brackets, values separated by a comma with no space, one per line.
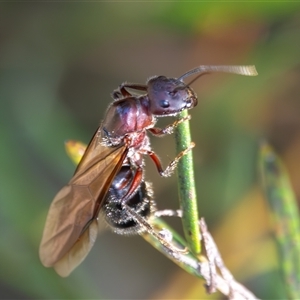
[164,103]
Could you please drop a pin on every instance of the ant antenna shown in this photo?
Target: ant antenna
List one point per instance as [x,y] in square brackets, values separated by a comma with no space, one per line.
[240,70]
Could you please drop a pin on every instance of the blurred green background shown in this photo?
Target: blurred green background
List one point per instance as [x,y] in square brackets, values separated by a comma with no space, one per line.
[59,62]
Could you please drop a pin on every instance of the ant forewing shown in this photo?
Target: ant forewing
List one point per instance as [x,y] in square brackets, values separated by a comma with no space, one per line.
[110,174]
[75,208]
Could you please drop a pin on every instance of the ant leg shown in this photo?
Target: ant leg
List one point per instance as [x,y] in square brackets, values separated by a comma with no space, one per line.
[156,131]
[133,86]
[168,213]
[172,165]
[116,95]
[121,92]
[136,182]
[164,236]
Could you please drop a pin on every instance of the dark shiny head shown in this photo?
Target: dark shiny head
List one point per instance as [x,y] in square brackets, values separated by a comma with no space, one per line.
[169,96]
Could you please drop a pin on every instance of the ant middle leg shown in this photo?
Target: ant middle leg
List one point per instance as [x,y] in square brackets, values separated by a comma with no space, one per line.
[172,165]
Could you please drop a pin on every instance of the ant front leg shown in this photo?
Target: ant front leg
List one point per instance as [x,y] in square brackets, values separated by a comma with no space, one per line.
[122,92]
[156,131]
[172,165]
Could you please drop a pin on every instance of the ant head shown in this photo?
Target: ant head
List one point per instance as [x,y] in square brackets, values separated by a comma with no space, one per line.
[169,96]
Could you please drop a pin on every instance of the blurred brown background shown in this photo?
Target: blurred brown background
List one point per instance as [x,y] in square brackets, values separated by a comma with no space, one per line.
[59,62]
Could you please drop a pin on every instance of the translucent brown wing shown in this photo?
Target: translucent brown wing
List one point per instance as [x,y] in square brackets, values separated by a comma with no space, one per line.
[71,225]
[78,252]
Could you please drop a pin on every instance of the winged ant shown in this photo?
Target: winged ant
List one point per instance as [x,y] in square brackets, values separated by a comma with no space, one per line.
[109,177]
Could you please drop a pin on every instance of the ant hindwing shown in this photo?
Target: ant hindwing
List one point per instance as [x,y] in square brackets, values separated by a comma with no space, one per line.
[110,175]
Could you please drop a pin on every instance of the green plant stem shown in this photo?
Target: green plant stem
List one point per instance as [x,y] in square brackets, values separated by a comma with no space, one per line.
[186,184]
